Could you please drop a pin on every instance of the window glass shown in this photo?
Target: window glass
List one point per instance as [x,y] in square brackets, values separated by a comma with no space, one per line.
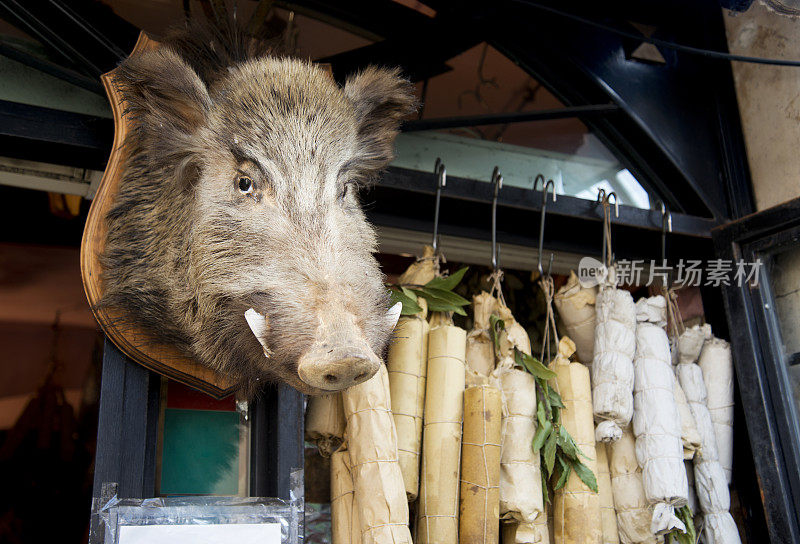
[203,444]
[784,277]
[483,81]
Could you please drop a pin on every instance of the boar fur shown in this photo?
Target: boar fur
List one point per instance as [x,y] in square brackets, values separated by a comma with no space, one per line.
[240,190]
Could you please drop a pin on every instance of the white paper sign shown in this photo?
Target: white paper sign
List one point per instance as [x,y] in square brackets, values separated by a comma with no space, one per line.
[240,533]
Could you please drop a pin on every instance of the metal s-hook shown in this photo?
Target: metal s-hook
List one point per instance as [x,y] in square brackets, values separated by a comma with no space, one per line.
[536,181]
[497,181]
[441,173]
[544,185]
[605,199]
[616,202]
[547,186]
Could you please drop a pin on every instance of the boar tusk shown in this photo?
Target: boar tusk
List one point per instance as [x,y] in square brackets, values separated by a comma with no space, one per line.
[258,324]
[393,314]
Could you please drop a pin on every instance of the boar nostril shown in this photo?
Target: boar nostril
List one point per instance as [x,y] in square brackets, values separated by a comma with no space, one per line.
[331,378]
[361,376]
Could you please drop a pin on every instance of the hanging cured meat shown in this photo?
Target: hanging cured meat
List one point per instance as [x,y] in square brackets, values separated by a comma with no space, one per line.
[325,423]
[576,307]
[576,511]
[479,520]
[711,484]
[656,422]
[379,492]
[717,366]
[407,363]
[612,369]
[441,440]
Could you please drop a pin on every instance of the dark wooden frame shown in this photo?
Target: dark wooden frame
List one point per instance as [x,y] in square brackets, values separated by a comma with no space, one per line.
[760,363]
[127,432]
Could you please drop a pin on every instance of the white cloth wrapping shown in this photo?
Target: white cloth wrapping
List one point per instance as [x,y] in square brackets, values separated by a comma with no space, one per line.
[657,426]
[717,366]
[689,435]
[520,475]
[709,478]
[520,472]
[576,307]
[653,310]
[690,343]
[612,368]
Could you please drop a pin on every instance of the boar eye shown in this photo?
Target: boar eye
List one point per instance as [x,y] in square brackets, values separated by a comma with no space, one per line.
[245,184]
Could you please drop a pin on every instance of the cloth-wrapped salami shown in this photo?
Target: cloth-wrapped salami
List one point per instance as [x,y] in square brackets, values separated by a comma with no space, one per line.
[612,369]
[520,475]
[607,511]
[690,343]
[634,512]
[479,514]
[437,520]
[515,532]
[717,366]
[421,271]
[325,423]
[406,363]
[345,521]
[576,307]
[711,485]
[379,492]
[514,334]
[480,351]
[657,425]
[690,438]
[576,509]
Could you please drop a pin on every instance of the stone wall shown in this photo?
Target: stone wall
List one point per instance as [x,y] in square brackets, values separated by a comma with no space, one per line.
[769,100]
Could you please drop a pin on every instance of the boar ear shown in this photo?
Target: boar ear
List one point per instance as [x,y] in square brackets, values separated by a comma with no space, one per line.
[382,98]
[166,102]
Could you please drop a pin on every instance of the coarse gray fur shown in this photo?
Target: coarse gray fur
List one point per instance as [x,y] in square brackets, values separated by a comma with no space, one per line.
[188,252]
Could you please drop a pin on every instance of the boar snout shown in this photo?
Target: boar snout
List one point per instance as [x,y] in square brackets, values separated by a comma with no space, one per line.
[341,357]
[335,364]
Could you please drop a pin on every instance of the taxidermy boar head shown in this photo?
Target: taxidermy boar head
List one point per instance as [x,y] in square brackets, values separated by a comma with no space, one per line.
[240,193]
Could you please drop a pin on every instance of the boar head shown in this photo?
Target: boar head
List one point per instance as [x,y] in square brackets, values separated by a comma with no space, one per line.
[240,192]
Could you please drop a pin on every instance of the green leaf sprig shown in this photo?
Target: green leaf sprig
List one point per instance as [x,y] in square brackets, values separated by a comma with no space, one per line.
[684,513]
[551,438]
[438,293]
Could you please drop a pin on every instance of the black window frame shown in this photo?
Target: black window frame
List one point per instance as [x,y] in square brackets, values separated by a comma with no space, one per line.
[761,364]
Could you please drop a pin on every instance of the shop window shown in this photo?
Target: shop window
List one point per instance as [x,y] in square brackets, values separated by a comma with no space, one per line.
[784,275]
[204,444]
[483,81]
[763,310]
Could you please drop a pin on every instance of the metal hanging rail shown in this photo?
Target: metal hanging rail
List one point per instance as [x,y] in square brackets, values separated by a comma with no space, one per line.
[529,200]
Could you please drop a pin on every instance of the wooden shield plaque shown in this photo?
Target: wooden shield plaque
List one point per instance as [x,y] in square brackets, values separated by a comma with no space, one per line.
[127,336]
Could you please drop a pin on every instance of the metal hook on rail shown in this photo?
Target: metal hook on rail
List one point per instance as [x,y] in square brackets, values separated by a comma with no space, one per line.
[604,198]
[548,185]
[497,181]
[544,184]
[616,202]
[441,173]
